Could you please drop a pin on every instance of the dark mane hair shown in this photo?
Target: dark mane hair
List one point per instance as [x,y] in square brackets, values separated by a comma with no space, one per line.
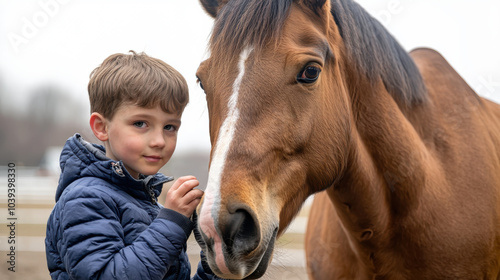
[376,53]
[372,50]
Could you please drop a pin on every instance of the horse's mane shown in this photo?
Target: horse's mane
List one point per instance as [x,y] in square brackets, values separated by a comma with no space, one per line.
[376,53]
[373,51]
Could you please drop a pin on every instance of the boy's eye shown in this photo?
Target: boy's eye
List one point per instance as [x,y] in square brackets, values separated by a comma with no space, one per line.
[140,124]
[170,127]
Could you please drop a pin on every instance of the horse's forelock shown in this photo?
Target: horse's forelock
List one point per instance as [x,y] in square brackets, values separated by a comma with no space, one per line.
[241,23]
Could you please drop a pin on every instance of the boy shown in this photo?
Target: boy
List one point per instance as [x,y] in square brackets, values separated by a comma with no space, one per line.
[106,223]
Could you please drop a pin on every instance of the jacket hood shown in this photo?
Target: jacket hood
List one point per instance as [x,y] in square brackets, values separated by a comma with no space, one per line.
[80,158]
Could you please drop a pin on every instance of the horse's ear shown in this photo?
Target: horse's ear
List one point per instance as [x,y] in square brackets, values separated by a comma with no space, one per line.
[317,6]
[212,7]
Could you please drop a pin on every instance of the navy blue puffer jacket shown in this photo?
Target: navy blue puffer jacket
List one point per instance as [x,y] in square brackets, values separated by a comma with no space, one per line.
[108,225]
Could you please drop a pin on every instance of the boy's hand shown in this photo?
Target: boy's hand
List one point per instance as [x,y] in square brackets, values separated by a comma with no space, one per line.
[182,197]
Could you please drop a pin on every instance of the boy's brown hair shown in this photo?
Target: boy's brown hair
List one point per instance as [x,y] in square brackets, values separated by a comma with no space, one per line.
[137,79]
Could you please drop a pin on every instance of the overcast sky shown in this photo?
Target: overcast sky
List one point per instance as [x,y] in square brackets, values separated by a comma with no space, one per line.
[61,42]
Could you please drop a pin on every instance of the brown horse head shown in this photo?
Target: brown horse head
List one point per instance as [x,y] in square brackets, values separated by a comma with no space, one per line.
[277,88]
[272,81]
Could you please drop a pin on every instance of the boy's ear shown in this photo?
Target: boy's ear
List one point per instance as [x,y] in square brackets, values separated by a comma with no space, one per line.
[98,124]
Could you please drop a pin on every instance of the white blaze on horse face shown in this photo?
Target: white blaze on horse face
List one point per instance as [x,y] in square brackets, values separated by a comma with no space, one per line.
[211,203]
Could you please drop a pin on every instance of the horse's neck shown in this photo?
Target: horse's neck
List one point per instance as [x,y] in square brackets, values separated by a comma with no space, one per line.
[386,170]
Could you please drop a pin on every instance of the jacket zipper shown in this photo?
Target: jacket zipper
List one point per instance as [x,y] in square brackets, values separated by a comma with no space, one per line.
[117,169]
[149,190]
[151,194]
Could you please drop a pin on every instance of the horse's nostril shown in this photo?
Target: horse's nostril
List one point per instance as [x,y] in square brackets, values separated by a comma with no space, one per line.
[241,233]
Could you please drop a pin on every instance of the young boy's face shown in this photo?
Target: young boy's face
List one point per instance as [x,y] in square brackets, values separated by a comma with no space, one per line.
[143,138]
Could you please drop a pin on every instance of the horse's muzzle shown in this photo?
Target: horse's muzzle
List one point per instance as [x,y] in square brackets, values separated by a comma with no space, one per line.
[242,251]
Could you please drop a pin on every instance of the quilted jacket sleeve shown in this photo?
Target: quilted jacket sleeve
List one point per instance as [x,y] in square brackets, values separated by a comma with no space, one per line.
[92,245]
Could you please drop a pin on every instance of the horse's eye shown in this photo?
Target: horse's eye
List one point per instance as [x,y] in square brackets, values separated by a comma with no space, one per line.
[199,82]
[309,74]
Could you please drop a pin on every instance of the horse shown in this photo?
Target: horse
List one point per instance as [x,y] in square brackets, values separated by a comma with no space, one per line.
[316,97]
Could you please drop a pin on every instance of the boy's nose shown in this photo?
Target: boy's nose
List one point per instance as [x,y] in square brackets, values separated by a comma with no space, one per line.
[157,140]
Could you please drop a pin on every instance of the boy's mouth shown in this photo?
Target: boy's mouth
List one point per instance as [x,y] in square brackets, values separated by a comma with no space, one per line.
[153,158]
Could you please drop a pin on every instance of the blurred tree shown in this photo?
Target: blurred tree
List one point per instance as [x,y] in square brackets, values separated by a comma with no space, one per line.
[52,118]
[51,105]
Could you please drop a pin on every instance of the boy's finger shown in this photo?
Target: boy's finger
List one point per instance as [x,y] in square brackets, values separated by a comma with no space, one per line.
[187,186]
[194,203]
[181,180]
[193,195]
